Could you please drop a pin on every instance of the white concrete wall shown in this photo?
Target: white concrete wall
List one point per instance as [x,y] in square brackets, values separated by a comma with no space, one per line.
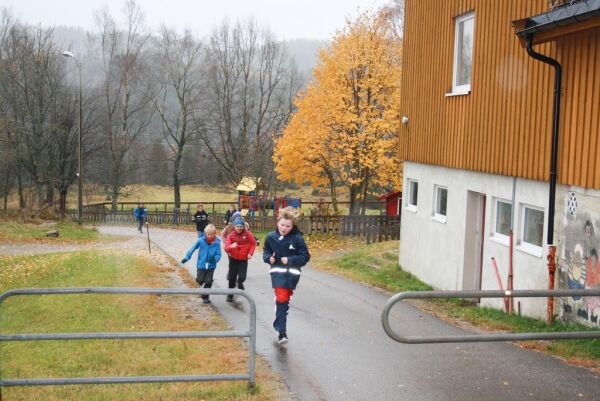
[434,251]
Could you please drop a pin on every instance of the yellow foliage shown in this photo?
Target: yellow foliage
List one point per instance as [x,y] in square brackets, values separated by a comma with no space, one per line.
[345,126]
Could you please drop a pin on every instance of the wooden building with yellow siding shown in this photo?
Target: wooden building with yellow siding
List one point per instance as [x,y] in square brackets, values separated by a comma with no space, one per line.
[477,138]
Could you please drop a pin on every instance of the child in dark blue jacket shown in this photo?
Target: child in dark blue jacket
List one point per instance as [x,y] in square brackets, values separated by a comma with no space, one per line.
[209,253]
[286,252]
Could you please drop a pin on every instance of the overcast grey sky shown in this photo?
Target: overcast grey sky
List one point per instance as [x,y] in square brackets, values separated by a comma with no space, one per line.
[288,19]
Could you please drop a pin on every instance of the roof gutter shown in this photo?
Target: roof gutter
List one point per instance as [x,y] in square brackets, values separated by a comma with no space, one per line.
[577,12]
[550,25]
[553,166]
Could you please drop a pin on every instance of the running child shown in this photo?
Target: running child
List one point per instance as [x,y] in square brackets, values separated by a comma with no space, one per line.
[209,254]
[201,219]
[228,229]
[239,245]
[286,252]
[140,215]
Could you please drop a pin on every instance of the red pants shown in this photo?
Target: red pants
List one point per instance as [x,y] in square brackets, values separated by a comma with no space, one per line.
[283,294]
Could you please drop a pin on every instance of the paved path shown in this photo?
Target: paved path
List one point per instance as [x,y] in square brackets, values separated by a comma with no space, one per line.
[338,350]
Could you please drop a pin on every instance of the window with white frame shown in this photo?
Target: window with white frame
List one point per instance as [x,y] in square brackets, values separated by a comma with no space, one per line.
[464,31]
[502,214]
[441,202]
[532,227]
[413,194]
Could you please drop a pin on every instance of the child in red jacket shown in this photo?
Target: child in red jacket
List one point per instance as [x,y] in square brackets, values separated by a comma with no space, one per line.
[239,245]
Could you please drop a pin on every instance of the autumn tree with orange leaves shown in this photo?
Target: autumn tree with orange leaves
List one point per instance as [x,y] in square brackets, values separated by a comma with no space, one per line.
[345,128]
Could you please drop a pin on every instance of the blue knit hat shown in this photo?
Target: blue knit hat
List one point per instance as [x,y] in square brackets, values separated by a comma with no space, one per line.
[239,222]
[236,215]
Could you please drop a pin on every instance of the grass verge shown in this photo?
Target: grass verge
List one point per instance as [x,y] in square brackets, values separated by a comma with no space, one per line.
[377,265]
[16,232]
[97,313]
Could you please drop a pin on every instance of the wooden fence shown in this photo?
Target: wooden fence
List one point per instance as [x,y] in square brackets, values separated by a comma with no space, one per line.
[213,207]
[372,228]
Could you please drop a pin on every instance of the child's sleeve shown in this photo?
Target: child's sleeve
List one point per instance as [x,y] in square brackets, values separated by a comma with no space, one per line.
[228,242]
[301,256]
[218,254]
[252,243]
[189,253]
[225,233]
[267,250]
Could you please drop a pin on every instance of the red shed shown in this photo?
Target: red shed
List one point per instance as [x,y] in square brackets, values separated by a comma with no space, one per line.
[393,202]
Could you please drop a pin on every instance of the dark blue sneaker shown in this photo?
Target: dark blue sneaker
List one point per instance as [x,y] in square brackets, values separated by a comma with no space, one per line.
[282,337]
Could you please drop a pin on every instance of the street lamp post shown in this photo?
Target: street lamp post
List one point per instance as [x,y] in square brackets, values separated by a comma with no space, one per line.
[68,54]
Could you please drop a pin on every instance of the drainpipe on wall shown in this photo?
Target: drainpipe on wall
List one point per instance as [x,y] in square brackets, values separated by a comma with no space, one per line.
[511,245]
[553,163]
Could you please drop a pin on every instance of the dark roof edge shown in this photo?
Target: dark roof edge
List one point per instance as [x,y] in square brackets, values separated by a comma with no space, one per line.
[561,16]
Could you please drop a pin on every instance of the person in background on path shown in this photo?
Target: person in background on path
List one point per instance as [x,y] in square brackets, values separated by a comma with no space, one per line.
[201,219]
[209,254]
[227,219]
[286,252]
[140,215]
[228,229]
[239,245]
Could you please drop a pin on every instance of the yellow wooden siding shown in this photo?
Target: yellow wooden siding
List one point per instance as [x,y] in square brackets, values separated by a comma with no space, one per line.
[504,125]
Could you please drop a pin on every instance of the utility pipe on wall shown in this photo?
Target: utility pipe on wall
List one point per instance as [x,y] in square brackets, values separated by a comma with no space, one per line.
[553,163]
[511,245]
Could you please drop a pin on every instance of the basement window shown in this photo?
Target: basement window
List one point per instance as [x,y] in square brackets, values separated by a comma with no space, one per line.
[532,229]
[413,192]
[502,215]
[441,204]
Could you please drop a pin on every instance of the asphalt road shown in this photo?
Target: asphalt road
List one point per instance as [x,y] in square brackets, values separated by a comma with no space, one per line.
[339,351]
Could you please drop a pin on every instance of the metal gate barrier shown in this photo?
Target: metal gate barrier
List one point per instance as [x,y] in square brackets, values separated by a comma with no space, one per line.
[486,337]
[251,334]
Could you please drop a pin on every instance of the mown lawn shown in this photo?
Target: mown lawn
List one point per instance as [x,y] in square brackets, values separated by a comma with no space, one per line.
[69,232]
[377,265]
[97,313]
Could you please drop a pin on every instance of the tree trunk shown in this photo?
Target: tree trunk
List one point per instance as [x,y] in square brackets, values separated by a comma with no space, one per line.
[333,193]
[49,194]
[6,188]
[354,191]
[20,191]
[114,198]
[63,202]
[365,187]
[40,194]
[176,182]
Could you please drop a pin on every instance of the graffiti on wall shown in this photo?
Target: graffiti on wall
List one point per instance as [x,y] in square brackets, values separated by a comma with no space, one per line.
[580,261]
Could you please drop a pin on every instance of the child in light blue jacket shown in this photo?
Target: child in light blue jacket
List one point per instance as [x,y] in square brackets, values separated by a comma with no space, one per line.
[209,254]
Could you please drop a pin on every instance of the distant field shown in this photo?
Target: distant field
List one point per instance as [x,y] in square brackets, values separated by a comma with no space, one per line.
[189,193]
[194,193]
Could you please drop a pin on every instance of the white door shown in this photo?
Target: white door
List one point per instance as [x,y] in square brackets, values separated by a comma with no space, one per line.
[474,239]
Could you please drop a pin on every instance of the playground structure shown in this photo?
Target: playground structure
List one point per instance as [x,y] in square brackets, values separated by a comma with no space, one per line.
[250,200]
[262,203]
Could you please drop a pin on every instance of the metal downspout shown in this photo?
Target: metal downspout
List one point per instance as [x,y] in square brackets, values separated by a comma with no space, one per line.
[553,163]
